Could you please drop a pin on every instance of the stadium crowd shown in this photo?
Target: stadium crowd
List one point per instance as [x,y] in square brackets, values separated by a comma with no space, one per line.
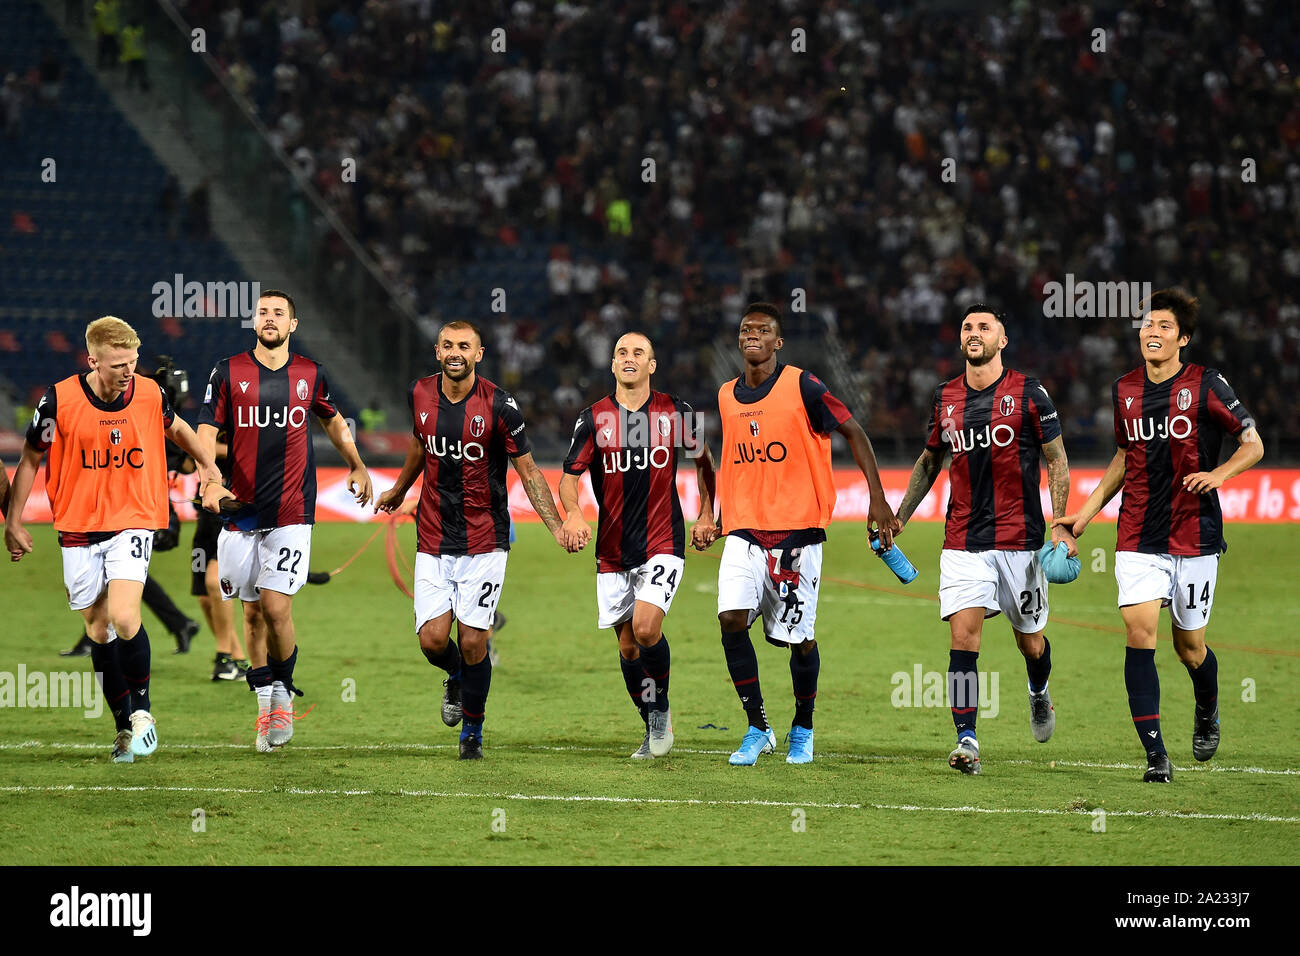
[895,162]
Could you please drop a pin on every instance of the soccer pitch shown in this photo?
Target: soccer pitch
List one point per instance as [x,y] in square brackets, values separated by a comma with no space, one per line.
[371,776]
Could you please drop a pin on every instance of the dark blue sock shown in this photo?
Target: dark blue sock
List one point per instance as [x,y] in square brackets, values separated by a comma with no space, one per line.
[135,657]
[1040,669]
[282,671]
[742,665]
[655,662]
[258,677]
[108,669]
[963,691]
[448,658]
[1143,685]
[804,669]
[1205,680]
[475,679]
[633,675]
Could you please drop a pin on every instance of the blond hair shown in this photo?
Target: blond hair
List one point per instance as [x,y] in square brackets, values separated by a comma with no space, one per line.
[110,332]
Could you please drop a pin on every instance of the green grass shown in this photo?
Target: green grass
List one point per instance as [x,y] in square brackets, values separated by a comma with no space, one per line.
[381,783]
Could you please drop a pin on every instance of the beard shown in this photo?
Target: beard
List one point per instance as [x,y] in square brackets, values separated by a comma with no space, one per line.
[457,375]
[271,338]
[985,356]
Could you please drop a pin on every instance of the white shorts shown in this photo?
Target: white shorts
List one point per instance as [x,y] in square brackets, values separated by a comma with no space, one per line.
[1184,584]
[468,585]
[88,569]
[1010,582]
[254,561]
[744,583]
[655,582]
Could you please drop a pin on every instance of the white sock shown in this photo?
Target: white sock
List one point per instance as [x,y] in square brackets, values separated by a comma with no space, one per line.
[264,697]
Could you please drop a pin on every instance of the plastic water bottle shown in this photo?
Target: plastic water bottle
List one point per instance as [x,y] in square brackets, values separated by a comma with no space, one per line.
[894,559]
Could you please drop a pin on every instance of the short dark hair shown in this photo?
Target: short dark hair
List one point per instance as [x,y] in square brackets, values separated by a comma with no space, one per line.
[460,325]
[1181,303]
[764,308]
[277,294]
[976,307]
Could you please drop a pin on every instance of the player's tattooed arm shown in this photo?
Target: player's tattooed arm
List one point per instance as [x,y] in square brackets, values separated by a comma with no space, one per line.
[705,530]
[1058,486]
[1250,449]
[878,511]
[1111,482]
[924,474]
[539,494]
[18,540]
[391,500]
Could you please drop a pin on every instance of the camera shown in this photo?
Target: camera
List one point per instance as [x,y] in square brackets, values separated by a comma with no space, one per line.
[175,381]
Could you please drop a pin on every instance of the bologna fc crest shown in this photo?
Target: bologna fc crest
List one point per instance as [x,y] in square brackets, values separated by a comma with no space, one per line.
[1007,405]
[302,390]
[477,426]
[115,437]
[665,426]
[226,587]
[753,428]
[1184,399]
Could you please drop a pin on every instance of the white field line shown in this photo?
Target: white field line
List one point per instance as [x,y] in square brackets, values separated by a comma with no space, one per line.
[310,792]
[668,801]
[874,758]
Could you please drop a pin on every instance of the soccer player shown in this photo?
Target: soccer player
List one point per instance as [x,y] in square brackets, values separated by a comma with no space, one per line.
[1170,418]
[262,398]
[777,493]
[106,478]
[463,430]
[995,422]
[629,441]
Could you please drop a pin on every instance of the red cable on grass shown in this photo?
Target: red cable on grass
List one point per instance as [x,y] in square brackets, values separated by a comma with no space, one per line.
[358,554]
[391,552]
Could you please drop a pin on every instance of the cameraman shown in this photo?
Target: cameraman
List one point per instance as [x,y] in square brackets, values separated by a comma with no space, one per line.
[230,663]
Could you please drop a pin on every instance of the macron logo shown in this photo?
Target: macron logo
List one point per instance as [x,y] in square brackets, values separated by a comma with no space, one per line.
[423,416]
[950,408]
[243,386]
[1128,402]
[75,909]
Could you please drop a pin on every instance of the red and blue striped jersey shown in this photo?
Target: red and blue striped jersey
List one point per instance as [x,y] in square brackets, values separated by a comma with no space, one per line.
[464,505]
[265,412]
[632,457]
[996,435]
[1168,431]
